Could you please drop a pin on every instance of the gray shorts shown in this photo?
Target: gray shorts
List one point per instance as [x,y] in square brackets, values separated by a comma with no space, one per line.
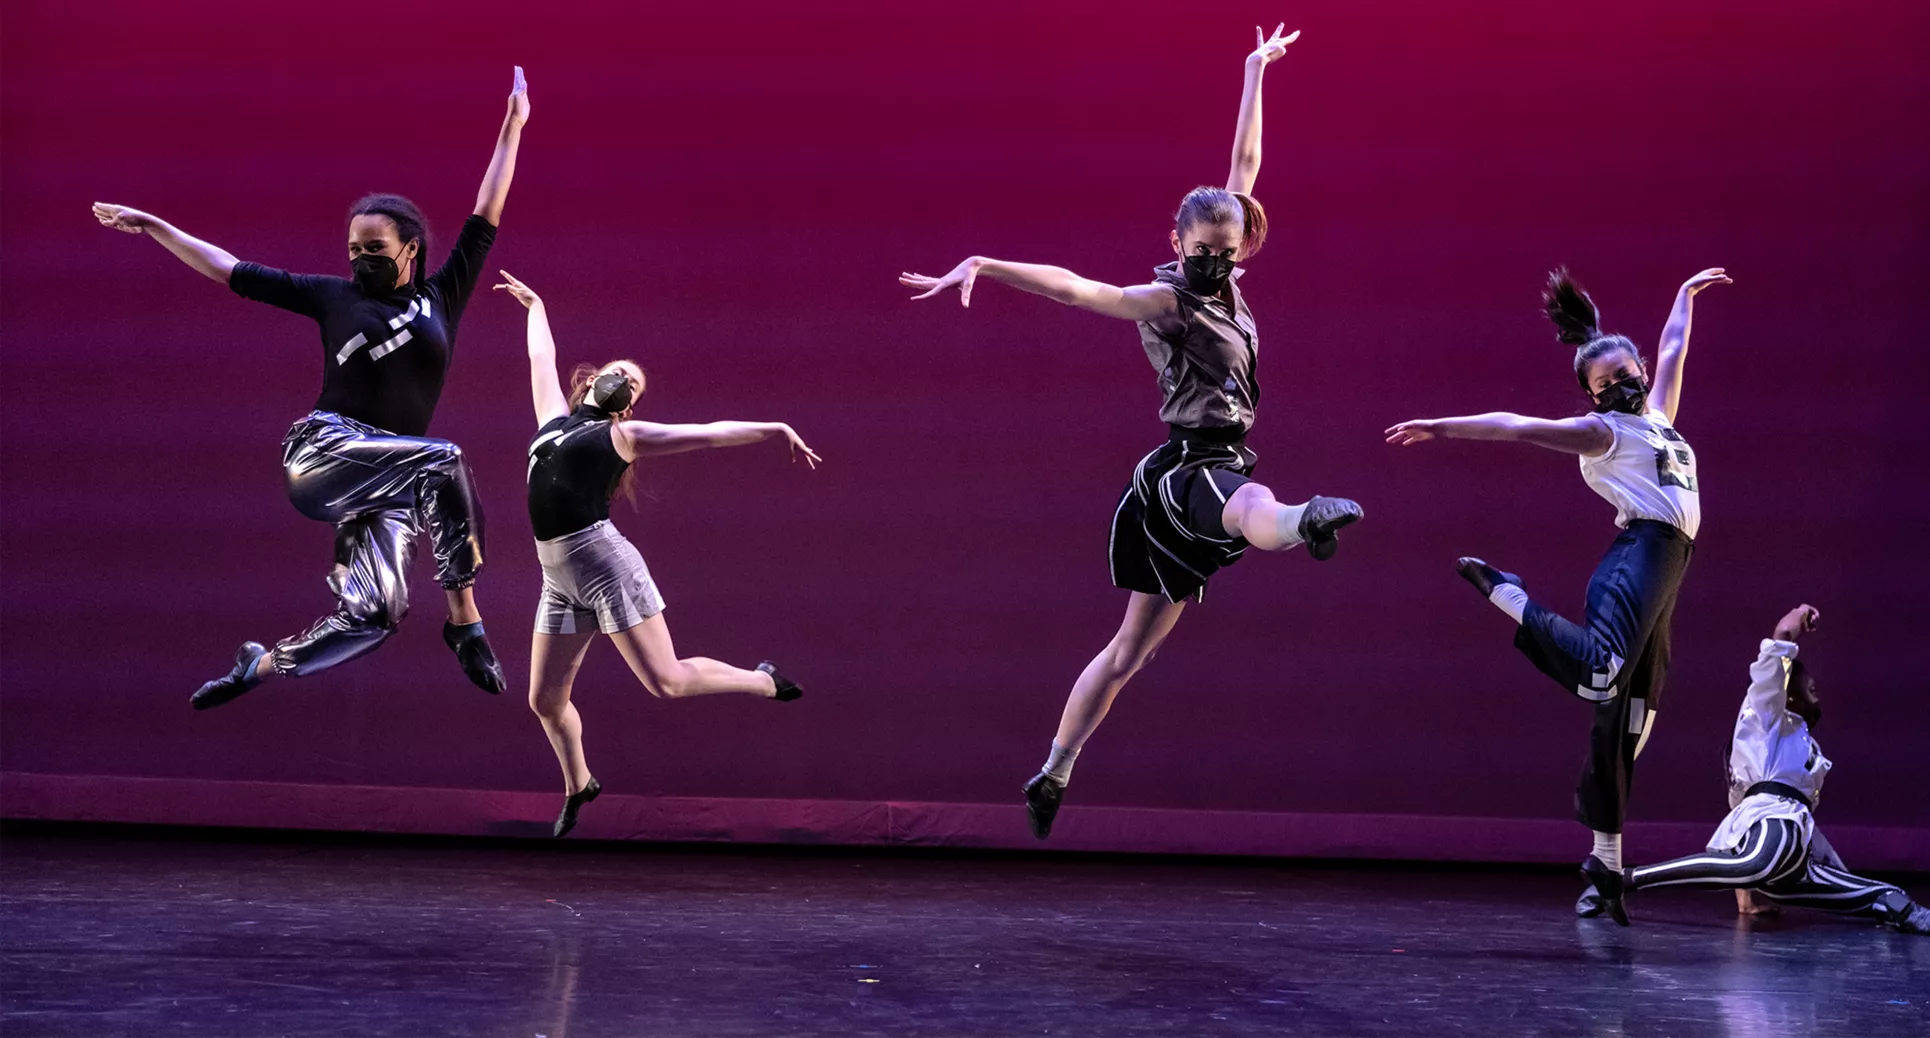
[594,577]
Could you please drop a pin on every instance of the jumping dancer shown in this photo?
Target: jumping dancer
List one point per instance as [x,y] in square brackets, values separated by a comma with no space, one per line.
[360,460]
[1769,841]
[594,579]
[1631,455]
[1190,508]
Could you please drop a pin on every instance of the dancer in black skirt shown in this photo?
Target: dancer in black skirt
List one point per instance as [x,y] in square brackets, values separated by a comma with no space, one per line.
[360,460]
[594,579]
[1618,657]
[1191,507]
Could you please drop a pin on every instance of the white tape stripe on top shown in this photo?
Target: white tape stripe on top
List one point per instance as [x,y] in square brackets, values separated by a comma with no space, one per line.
[416,306]
[392,345]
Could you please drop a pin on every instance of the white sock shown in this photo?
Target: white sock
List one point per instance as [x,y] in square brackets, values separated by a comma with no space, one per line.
[1288,520]
[1059,763]
[1608,847]
[1510,599]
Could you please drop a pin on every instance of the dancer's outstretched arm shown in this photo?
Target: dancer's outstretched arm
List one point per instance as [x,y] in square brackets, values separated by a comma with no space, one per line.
[1675,340]
[211,260]
[502,165]
[1246,133]
[1586,434]
[1132,303]
[642,439]
[545,388]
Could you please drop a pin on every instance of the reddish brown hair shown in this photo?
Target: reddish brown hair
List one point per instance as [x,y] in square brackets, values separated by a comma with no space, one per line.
[580,378]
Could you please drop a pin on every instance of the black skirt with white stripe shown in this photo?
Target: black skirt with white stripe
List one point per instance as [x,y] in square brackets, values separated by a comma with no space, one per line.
[1167,533]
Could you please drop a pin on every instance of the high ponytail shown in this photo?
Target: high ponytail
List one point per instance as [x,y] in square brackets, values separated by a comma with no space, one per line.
[1568,305]
[1253,229]
[1218,205]
[1578,324]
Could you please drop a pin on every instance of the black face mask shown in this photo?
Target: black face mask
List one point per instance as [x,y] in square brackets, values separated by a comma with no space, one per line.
[376,273]
[1629,396]
[611,393]
[1208,275]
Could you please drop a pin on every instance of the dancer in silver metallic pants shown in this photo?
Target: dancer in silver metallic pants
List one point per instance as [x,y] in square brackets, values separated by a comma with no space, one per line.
[361,459]
[381,491]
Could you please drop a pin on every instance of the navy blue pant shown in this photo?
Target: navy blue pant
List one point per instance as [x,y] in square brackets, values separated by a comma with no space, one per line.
[1617,658]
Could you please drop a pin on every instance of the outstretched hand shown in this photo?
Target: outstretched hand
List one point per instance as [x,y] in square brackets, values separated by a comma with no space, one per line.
[121,218]
[1797,622]
[522,292]
[1407,434]
[961,277]
[1712,276]
[798,447]
[1268,49]
[519,98]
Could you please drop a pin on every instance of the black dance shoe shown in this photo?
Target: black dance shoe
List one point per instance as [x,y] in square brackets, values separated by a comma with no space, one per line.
[1484,577]
[234,683]
[1321,523]
[1609,884]
[473,652]
[567,820]
[1042,796]
[787,689]
[1903,915]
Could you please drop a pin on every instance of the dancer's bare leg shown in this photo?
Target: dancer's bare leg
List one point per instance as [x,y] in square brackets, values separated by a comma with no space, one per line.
[1149,619]
[553,662]
[652,657]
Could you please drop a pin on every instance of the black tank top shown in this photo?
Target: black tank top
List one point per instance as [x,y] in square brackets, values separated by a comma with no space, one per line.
[573,470]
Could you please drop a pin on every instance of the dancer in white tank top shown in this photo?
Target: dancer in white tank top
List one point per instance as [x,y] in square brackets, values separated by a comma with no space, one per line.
[1632,456]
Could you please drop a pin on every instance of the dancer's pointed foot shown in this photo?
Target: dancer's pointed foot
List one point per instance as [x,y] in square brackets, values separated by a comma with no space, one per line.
[787,689]
[478,660]
[1609,884]
[567,820]
[1042,797]
[235,682]
[1321,523]
[1484,577]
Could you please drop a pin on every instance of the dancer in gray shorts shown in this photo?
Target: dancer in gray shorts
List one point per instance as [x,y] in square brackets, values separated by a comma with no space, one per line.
[593,579]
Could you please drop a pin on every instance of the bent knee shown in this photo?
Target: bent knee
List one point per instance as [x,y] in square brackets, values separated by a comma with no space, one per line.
[667,686]
[548,701]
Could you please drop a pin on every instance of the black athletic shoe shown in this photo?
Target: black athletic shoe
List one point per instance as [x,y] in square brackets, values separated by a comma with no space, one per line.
[1908,917]
[1916,921]
[234,683]
[1608,884]
[1042,796]
[567,820]
[478,660]
[1484,577]
[1321,523]
[1589,905]
[787,689]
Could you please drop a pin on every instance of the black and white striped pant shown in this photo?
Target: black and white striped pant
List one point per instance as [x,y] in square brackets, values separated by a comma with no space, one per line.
[1774,861]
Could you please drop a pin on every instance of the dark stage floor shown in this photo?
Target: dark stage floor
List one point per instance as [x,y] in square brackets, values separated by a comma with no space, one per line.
[145,933]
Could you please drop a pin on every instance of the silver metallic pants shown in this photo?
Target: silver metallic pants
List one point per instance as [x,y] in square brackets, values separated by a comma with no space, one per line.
[380,490]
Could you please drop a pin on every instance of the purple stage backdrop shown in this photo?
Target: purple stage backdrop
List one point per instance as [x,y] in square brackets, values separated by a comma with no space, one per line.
[726,193]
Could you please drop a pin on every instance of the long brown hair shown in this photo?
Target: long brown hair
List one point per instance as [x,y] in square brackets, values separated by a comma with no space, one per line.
[580,378]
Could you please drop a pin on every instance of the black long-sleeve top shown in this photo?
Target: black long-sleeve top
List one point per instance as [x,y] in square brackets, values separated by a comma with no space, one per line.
[384,358]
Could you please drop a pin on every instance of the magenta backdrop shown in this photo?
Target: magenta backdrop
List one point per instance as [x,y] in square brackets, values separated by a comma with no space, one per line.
[726,193]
